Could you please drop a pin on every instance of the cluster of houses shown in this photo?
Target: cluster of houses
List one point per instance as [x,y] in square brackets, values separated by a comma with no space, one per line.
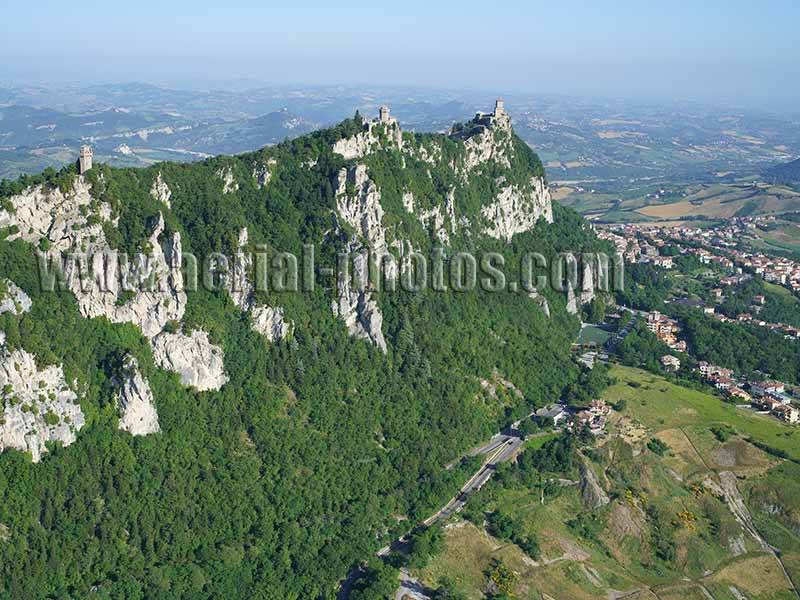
[595,416]
[788,331]
[665,329]
[640,243]
[767,396]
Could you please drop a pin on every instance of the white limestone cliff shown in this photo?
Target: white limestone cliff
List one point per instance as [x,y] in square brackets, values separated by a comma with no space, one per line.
[38,406]
[587,285]
[363,212]
[152,308]
[367,141]
[356,307]
[134,401]
[266,320]
[491,142]
[572,300]
[516,210]
[229,183]
[72,224]
[14,300]
[270,322]
[160,191]
[199,362]
[541,301]
[63,219]
[408,202]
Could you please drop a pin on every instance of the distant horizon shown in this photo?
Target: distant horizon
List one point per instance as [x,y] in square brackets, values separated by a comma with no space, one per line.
[243,85]
[719,52]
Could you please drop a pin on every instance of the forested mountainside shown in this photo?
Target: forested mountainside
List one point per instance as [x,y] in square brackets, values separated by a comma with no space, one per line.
[242,443]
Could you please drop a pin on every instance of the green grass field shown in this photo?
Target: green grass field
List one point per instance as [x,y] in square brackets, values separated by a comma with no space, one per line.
[593,333]
[660,405]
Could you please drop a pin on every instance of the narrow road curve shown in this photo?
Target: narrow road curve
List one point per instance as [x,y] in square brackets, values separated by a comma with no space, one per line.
[502,447]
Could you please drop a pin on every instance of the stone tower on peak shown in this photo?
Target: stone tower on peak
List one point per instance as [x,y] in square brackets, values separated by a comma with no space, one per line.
[85,159]
[498,118]
[383,114]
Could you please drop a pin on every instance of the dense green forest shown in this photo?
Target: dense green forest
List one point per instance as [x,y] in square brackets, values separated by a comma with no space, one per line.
[303,464]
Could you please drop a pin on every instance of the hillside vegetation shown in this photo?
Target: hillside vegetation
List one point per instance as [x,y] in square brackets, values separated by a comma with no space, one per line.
[320,444]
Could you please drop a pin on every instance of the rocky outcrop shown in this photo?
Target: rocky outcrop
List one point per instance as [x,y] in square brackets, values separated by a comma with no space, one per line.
[72,225]
[356,307]
[592,493]
[14,300]
[160,191]
[157,304]
[38,406]
[518,209]
[408,202]
[268,321]
[362,211]
[541,301]
[572,300]
[587,285]
[262,172]
[134,400]
[70,221]
[370,139]
[198,361]
[441,221]
[229,183]
[491,142]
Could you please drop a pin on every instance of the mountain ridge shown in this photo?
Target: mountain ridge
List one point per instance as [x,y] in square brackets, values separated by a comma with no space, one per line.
[283,438]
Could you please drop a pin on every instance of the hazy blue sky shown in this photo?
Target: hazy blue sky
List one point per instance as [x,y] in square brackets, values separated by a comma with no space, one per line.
[725,50]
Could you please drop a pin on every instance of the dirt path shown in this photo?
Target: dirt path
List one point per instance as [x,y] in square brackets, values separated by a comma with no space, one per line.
[736,504]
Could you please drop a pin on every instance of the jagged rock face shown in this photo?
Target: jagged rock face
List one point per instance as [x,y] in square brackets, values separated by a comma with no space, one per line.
[134,399]
[198,361]
[262,172]
[229,183]
[359,311]
[151,310]
[160,191]
[15,300]
[362,211]
[587,287]
[38,405]
[368,140]
[542,302]
[592,494]
[62,219]
[489,144]
[65,221]
[269,322]
[408,202]
[572,300]
[516,210]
